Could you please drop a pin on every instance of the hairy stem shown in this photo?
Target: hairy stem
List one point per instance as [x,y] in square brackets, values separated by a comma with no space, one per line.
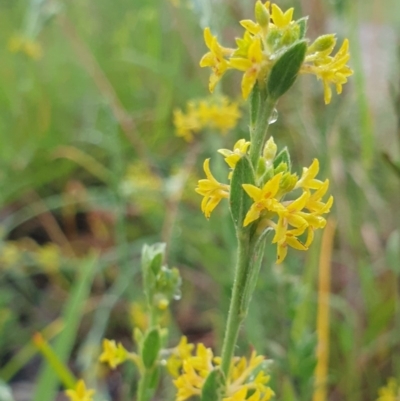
[236,313]
[259,132]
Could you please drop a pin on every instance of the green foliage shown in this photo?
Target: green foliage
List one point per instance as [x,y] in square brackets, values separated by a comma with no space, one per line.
[284,72]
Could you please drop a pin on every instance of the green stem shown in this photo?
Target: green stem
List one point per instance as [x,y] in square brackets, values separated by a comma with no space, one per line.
[144,392]
[259,133]
[236,313]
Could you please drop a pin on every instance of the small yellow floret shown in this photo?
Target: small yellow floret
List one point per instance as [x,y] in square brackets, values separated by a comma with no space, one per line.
[212,190]
[80,393]
[113,354]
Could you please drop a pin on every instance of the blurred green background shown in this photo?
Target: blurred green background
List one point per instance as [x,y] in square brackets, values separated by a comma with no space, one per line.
[91,169]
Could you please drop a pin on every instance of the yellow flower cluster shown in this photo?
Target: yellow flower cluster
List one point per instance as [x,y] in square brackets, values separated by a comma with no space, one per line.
[214,113]
[113,354]
[391,392]
[22,44]
[80,393]
[264,41]
[290,219]
[23,251]
[246,382]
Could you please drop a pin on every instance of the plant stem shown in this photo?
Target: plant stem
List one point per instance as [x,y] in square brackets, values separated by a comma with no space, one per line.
[259,134]
[236,313]
[143,393]
[245,257]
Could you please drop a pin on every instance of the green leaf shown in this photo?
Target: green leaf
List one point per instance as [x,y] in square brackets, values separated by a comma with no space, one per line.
[255,100]
[240,202]
[393,251]
[152,257]
[285,70]
[151,348]
[214,386]
[47,382]
[154,379]
[302,23]
[283,157]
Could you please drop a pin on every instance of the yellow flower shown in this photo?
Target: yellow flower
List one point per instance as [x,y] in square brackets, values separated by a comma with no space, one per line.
[10,254]
[139,317]
[31,48]
[80,393]
[290,216]
[113,354]
[181,352]
[239,150]
[187,124]
[281,19]
[264,198]
[391,392]
[295,217]
[307,179]
[251,65]
[217,113]
[48,257]
[214,58]
[331,70]
[212,190]
[240,382]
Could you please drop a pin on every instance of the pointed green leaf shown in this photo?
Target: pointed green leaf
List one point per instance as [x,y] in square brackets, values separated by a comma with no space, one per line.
[285,70]
[240,202]
[302,23]
[283,157]
[151,348]
[214,386]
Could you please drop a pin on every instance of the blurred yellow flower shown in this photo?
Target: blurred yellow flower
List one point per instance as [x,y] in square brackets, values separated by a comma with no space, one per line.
[217,113]
[181,352]
[22,44]
[80,393]
[48,257]
[139,317]
[212,190]
[113,354]
[242,380]
[9,254]
[390,392]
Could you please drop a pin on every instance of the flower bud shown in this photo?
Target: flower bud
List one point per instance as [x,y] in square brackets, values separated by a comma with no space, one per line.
[323,43]
[262,15]
[270,149]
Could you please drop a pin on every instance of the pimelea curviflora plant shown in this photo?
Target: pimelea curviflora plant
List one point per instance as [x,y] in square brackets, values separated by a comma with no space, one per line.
[264,196]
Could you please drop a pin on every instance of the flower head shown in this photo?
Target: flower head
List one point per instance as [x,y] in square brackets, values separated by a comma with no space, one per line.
[251,65]
[391,392]
[80,393]
[331,70]
[216,113]
[212,190]
[214,58]
[181,352]
[268,38]
[113,354]
[239,150]
[247,380]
